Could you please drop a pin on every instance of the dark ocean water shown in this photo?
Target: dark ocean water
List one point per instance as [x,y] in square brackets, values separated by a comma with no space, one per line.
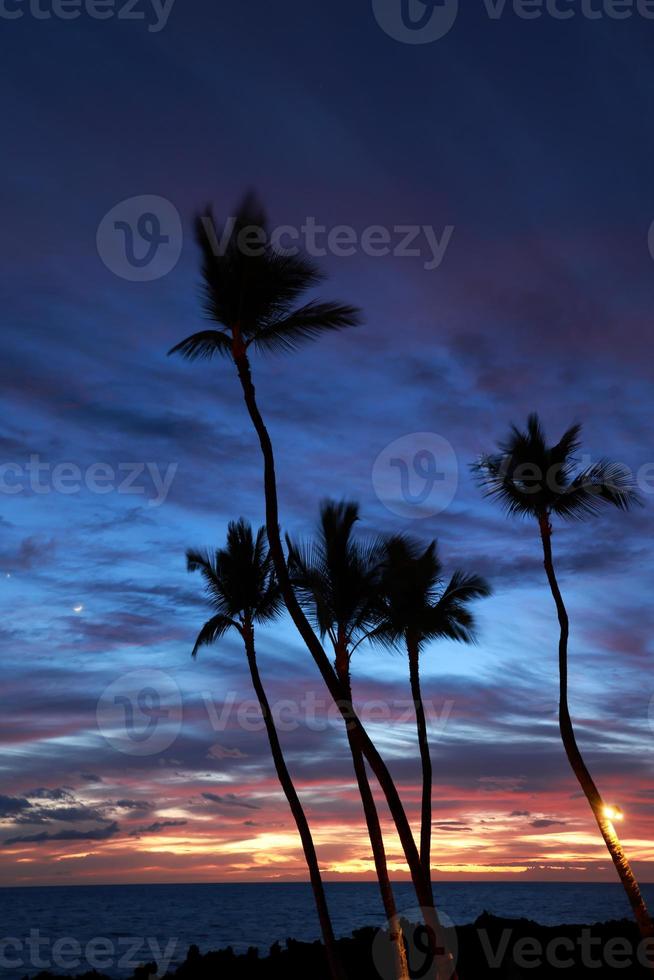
[115,927]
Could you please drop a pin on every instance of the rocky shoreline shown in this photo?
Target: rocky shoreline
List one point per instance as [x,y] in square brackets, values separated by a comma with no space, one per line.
[491,948]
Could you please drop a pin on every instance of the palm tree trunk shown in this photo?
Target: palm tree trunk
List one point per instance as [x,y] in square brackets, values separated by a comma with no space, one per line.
[579,767]
[376,836]
[335,967]
[413,650]
[421,884]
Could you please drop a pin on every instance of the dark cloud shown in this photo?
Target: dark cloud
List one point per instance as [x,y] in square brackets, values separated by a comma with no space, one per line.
[230,800]
[133,804]
[157,827]
[12,805]
[98,834]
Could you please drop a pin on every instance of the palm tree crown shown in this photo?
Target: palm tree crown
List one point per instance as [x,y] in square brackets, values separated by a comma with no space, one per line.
[532,479]
[252,291]
[239,581]
[415,598]
[337,576]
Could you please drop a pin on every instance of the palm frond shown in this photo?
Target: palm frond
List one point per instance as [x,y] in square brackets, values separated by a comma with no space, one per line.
[203,346]
[414,602]
[213,630]
[603,483]
[240,580]
[451,618]
[305,324]
[494,476]
[336,576]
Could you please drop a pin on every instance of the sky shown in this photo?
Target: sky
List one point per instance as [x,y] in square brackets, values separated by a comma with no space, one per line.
[524,147]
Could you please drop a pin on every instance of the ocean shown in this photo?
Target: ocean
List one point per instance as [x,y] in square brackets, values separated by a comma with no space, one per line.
[113,928]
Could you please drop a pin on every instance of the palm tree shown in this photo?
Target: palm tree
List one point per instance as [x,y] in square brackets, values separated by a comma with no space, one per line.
[252,298]
[416,607]
[531,479]
[337,580]
[242,590]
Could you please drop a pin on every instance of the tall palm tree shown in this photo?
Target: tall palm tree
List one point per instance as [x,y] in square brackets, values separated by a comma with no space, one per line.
[417,606]
[242,589]
[530,478]
[252,298]
[337,580]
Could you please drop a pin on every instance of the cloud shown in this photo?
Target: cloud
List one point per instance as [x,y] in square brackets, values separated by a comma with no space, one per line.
[542,824]
[11,805]
[133,804]
[99,834]
[230,799]
[157,827]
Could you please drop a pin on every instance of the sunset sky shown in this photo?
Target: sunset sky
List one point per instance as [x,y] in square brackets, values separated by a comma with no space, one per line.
[531,139]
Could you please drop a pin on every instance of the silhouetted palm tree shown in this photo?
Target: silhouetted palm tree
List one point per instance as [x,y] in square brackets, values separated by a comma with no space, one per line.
[252,298]
[337,580]
[531,479]
[242,589]
[416,607]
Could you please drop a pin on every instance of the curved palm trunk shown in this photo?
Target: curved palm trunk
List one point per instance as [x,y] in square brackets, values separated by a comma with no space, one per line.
[575,758]
[375,834]
[413,650]
[335,968]
[421,884]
